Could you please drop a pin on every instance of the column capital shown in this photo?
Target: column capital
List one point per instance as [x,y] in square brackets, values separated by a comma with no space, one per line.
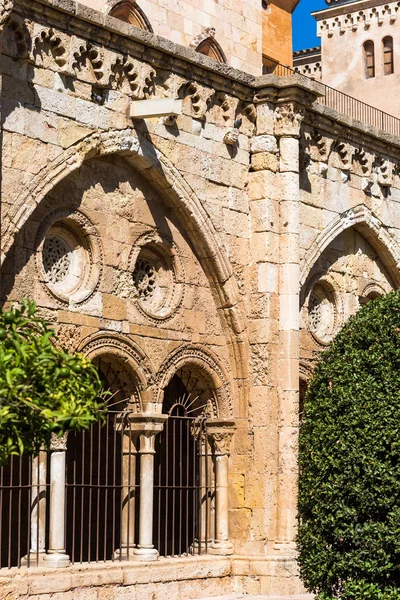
[57,442]
[220,432]
[288,119]
[146,426]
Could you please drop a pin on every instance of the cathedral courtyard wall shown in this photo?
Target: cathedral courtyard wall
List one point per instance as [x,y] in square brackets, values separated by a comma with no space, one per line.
[260,199]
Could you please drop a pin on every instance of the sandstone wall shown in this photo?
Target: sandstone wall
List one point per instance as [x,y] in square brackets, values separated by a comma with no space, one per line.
[253,193]
[237,25]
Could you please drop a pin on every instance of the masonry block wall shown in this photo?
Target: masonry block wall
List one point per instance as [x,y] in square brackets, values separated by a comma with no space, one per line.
[237,25]
[252,202]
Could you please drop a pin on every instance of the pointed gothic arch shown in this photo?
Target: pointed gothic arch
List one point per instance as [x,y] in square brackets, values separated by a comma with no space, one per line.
[372,230]
[164,177]
[206,44]
[129,12]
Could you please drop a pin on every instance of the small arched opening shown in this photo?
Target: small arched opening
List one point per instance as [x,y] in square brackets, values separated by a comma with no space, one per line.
[210,47]
[184,490]
[100,487]
[129,12]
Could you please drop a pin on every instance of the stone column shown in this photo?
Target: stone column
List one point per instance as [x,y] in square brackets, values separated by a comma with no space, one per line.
[57,556]
[220,433]
[288,119]
[38,509]
[129,492]
[147,426]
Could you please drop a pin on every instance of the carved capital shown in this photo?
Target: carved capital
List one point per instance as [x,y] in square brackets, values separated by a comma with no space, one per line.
[288,119]
[146,427]
[58,443]
[6,7]
[220,433]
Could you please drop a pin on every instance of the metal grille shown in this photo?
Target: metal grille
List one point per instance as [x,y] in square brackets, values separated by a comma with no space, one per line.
[23,486]
[184,487]
[96,496]
[343,103]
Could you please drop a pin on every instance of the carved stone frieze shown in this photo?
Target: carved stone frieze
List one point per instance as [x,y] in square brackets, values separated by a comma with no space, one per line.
[15,38]
[49,45]
[200,98]
[88,61]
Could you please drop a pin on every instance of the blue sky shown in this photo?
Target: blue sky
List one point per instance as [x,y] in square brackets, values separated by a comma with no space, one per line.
[304,26]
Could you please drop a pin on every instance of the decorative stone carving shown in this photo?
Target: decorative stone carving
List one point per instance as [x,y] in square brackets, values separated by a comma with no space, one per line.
[200,97]
[58,443]
[384,171]
[69,257]
[49,43]
[57,259]
[15,38]
[88,61]
[231,137]
[288,119]
[145,279]
[155,277]
[125,76]
[221,438]
[6,7]
[197,356]
[322,312]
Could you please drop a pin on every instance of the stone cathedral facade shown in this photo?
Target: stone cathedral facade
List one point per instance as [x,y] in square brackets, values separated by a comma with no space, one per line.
[201,233]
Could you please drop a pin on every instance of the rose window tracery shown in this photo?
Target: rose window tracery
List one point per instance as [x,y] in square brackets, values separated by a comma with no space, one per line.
[57,259]
[314,313]
[69,256]
[322,312]
[145,279]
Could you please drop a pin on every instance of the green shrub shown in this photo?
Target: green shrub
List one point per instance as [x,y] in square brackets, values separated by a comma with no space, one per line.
[43,389]
[349,493]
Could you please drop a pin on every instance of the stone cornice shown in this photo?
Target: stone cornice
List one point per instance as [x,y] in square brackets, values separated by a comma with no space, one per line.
[335,10]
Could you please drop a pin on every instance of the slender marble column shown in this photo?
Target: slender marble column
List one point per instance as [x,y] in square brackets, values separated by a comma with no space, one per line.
[129,492]
[38,508]
[220,433]
[147,427]
[57,556]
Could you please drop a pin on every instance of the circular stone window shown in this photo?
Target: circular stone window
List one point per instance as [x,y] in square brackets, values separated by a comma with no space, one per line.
[157,277]
[322,313]
[69,259]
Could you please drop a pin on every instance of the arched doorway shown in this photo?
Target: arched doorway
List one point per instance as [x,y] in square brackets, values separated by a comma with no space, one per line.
[184,483]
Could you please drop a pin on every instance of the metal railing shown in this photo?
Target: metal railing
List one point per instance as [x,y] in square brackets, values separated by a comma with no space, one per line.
[102,495]
[342,103]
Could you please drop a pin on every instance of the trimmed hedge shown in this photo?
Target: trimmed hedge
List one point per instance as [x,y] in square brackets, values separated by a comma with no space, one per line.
[349,491]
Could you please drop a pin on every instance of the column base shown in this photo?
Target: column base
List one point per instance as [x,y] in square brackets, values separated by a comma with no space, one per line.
[145,554]
[56,560]
[125,554]
[285,547]
[223,548]
[33,559]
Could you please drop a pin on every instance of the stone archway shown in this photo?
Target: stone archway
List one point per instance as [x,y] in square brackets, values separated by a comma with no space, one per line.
[370,227]
[164,177]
